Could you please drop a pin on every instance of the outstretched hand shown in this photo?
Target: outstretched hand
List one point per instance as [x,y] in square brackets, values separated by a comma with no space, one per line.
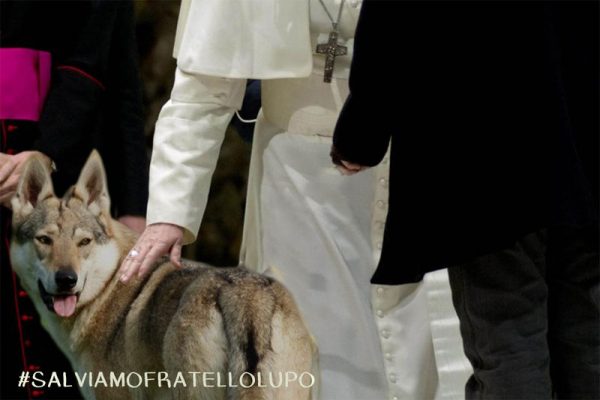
[157,240]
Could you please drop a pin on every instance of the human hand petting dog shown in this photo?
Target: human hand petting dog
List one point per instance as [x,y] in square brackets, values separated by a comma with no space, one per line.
[157,240]
[11,168]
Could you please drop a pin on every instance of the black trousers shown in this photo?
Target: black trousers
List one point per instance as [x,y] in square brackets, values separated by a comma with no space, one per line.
[529,317]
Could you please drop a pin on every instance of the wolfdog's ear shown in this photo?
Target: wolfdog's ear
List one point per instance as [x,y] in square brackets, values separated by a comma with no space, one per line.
[34,186]
[91,186]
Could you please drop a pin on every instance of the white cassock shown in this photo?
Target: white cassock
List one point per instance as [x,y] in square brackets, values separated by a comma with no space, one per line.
[314,230]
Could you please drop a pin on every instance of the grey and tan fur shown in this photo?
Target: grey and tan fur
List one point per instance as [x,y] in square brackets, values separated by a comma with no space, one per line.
[197,318]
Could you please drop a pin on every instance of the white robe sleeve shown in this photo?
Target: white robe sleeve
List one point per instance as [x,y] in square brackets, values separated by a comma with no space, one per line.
[189,132]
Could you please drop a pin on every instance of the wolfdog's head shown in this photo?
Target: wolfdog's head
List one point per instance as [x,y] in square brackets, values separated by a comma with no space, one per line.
[63,249]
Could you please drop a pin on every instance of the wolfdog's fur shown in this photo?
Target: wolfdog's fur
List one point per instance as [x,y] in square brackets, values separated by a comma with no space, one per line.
[220,321]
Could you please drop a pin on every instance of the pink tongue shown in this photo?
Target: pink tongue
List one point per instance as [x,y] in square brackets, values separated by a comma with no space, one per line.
[65,305]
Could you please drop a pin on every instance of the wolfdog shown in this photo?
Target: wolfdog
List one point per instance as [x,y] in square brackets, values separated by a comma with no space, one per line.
[199,332]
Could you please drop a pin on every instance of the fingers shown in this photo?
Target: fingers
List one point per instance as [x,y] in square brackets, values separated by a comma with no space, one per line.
[348,168]
[12,165]
[5,200]
[345,171]
[8,188]
[156,241]
[11,168]
[157,250]
[7,169]
[345,167]
[176,254]
[352,166]
[135,258]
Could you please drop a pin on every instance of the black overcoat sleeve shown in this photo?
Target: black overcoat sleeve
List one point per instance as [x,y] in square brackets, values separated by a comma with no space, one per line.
[363,129]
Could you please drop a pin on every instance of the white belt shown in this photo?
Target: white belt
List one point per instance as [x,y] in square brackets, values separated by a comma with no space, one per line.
[305,106]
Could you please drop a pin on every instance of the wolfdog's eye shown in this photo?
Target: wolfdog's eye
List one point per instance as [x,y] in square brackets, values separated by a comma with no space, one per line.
[43,239]
[84,242]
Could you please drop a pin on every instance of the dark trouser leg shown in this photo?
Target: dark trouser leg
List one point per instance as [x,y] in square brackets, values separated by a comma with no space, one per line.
[501,301]
[574,337]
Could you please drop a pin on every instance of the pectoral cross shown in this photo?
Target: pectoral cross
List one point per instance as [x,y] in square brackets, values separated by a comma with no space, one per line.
[331,49]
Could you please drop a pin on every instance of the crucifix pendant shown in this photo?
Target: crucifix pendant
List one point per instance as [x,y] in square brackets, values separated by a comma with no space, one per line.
[331,49]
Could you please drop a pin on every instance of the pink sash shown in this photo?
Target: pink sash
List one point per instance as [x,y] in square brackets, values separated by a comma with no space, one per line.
[24,83]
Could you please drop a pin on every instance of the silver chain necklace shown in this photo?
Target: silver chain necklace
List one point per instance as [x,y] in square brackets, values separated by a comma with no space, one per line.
[331,49]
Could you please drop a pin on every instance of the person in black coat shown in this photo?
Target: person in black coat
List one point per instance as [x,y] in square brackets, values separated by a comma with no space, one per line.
[92,100]
[492,112]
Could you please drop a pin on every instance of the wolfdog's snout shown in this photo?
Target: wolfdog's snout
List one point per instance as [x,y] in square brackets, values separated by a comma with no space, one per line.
[65,279]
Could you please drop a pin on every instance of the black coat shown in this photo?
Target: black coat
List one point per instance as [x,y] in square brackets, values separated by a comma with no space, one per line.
[95,95]
[492,111]
[94,101]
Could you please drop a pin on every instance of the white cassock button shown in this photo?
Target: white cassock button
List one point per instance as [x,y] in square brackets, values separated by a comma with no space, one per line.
[379,313]
[385,333]
[380,290]
[383,182]
[379,225]
[393,378]
[395,398]
[388,356]
[381,204]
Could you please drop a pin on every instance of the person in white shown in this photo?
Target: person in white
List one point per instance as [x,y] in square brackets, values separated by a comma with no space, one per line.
[313,229]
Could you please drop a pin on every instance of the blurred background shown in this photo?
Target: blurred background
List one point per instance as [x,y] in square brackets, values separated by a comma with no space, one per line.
[221,231]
